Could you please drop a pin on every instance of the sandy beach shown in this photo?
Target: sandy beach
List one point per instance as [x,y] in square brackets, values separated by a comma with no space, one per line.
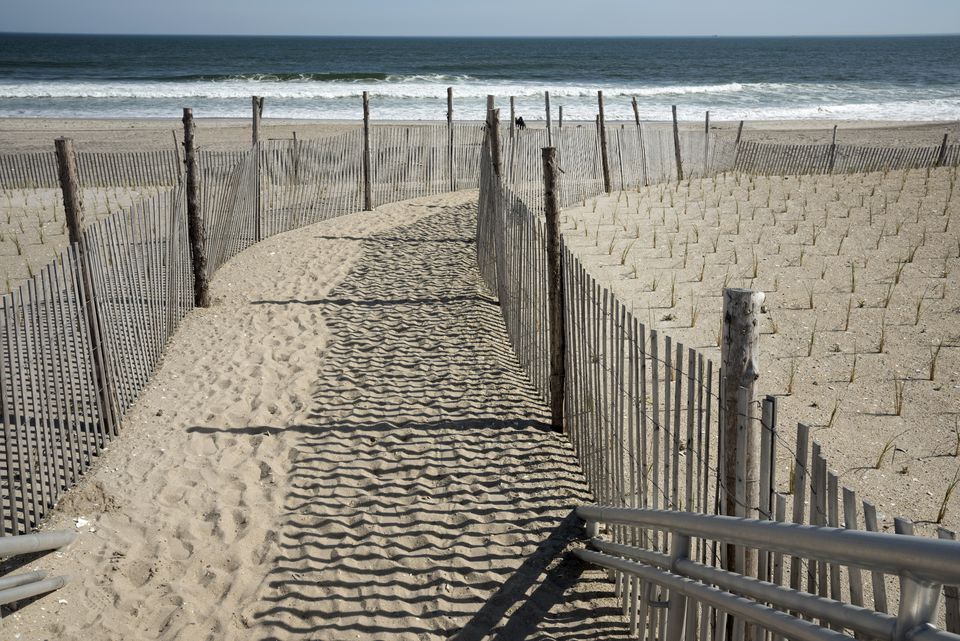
[37,134]
[344,447]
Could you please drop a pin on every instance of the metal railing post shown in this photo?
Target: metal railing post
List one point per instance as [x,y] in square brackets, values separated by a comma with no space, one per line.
[676,611]
[918,607]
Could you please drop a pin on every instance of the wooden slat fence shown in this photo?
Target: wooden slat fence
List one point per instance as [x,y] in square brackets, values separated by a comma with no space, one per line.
[642,412]
[783,159]
[96,169]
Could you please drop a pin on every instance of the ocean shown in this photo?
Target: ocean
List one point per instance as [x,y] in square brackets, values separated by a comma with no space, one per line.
[896,78]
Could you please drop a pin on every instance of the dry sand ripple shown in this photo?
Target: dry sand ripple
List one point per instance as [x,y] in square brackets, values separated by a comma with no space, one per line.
[343,447]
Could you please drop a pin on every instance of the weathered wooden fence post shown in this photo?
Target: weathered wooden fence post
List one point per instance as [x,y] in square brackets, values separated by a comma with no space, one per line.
[643,151]
[676,144]
[706,143]
[942,155]
[513,118]
[296,159]
[560,117]
[176,153]
[367,184]
[491,102]
[602,133]
[546,99]
[739,434]
[450,168]
[257,113]
[833,150]
[73,210]
[736,145]
[195,229]
[493,128]
[555,299]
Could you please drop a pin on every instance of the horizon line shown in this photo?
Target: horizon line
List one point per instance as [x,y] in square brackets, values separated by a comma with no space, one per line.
[487,37]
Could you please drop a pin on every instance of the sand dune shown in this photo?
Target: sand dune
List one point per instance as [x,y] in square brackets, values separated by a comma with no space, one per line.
[341,447]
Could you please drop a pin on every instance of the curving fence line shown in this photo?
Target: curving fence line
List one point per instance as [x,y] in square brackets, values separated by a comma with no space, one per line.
[643,412]
[78,345]
[643,415]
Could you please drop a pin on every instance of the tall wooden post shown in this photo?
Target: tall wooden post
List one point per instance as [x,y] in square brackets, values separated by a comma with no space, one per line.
[643,151]
[491,102]
[833,150]
[257,114]
[513,118]
[70,186]
[602,132]
[453,177]
[560,117]
[676,144]
[73,210]
[257,108]
[740,369]
[493,128]
[546,99]
[195,230]
[942,155]
[706,143]
[555,299]
[736,145]
[367,185]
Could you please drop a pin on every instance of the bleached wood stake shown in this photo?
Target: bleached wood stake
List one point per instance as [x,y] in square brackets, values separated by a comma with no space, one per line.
[942,155]
[367,185]
[257,113]
[740,370]
[176,152]
[676,144]
[453,178]
[736,144]
[555,298]
[195,229]
[602,132]
[833,150]
[546,99]
[73,210]
[493,126]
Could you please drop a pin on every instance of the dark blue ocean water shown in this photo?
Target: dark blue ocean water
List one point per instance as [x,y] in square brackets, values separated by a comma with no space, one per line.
[912,78]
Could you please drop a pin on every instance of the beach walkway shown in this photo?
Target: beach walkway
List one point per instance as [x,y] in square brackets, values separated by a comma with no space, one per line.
[342,447]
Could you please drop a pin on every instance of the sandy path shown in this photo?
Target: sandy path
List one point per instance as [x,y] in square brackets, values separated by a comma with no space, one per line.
[342,447]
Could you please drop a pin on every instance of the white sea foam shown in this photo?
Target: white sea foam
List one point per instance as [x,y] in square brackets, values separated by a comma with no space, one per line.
[423,98]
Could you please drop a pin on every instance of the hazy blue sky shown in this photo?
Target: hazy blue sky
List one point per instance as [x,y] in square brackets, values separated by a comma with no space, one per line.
[484,17]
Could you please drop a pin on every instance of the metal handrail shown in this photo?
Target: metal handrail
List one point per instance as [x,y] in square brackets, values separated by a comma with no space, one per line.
[923,566]
[922,559]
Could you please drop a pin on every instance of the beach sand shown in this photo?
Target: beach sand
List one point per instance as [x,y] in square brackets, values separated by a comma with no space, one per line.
[37,134]
[342,446]
[860,274]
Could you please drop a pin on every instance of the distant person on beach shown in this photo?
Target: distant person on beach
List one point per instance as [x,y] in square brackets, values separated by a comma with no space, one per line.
[520,124]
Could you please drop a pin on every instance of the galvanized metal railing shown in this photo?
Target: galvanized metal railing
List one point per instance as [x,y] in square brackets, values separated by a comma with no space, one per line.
[700,598]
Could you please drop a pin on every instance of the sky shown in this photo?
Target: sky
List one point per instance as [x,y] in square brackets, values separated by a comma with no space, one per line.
[484,17]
